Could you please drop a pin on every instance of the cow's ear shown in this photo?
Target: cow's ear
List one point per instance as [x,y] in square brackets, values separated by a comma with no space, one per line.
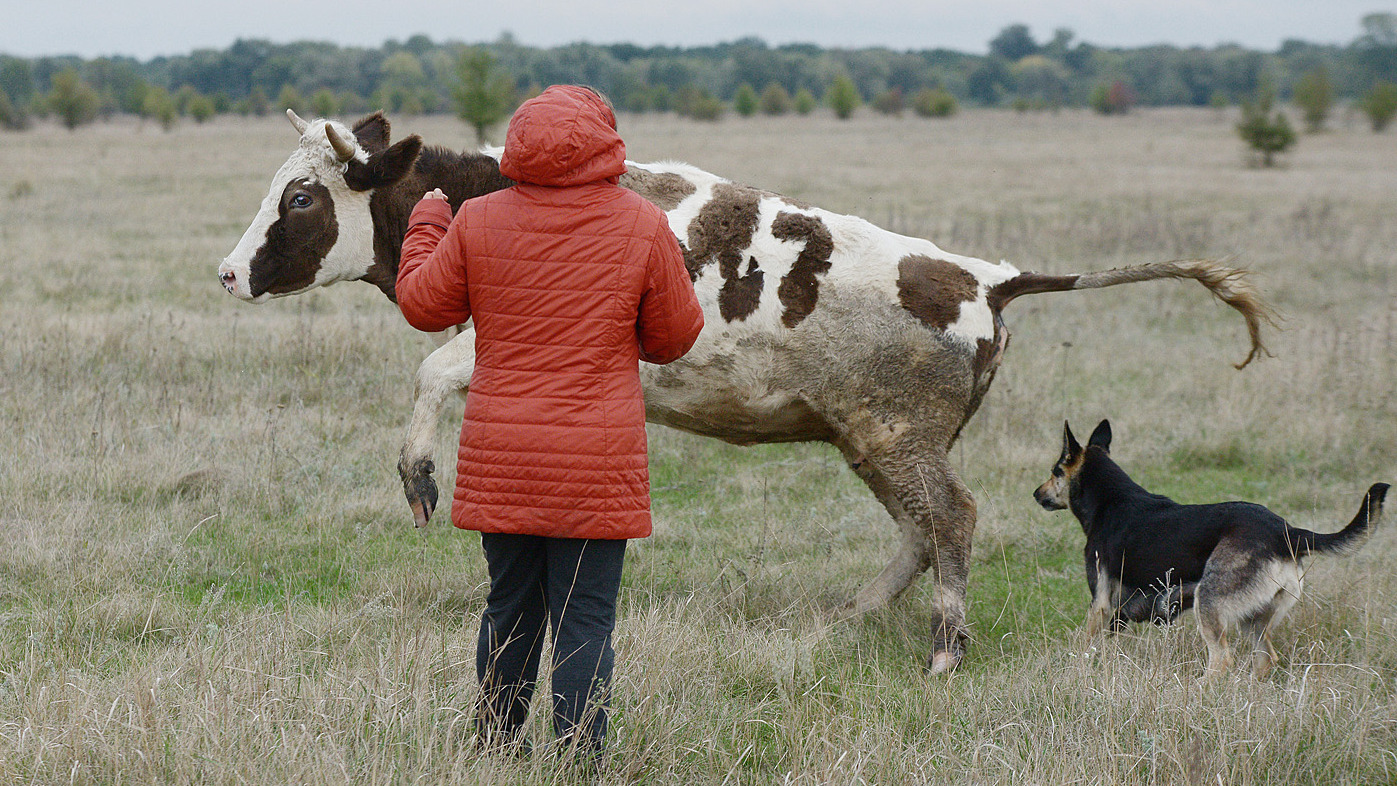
[385,168]
[372,132]
[1101,437]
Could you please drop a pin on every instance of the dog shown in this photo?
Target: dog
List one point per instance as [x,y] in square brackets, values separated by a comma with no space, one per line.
[1148,558]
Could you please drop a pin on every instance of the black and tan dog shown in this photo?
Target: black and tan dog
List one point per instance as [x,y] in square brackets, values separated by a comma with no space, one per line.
[1148,557]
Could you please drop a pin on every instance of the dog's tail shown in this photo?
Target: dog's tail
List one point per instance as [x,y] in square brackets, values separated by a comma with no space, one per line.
[1306,542]
[1230,285]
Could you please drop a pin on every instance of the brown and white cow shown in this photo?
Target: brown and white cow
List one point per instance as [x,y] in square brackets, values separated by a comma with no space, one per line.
[820,326]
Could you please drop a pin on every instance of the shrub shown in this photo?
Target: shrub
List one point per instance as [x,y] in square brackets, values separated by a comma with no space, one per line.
[661,98]
[351,103]
[484,93]
[1113,99]
[646,98]
[201,108]
[889,102]
[804,101]
[324,103]
[774,100]
[1314,94]
[1264,132]
[1380,105]
[12,118]
[698,104]
[745,101]
[934,102]
[183,97]
[843,97]
[159,106]
[258,103]
[290,98]
[72,99]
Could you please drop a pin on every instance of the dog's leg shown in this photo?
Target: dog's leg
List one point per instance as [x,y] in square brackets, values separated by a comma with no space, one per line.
[1105,601]
[1214,632]
[1211,597]
[1235,586]
[1139,606]
[1285,578]
[1256,631]
[1263,655]
[1171,602]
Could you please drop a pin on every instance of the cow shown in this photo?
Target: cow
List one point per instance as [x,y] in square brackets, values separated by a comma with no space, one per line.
[819,326]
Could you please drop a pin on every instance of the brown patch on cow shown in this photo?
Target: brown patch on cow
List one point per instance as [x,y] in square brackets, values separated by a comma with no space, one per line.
[719,233]
[800,289]
[461,177]
[665,189]
[741,295]
[932,290]
[296,242]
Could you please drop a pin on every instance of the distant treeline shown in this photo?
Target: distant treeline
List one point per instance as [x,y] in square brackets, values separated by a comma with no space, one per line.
[420,75]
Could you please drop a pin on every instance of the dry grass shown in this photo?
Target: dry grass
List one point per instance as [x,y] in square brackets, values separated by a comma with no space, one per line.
[207,574]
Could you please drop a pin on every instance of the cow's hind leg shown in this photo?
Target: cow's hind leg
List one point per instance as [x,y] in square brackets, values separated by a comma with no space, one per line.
[935,514]
[445,371]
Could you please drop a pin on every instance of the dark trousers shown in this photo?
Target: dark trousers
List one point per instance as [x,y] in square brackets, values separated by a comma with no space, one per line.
[569,586]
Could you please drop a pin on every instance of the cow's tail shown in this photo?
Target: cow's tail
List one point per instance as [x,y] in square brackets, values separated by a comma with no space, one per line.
[1307,542]
[1230,285]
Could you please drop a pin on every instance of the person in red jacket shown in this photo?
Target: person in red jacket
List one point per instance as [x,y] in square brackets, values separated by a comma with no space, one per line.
[570,280]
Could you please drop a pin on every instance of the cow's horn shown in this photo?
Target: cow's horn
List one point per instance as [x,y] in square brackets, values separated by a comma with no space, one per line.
[296,121]
[343,149]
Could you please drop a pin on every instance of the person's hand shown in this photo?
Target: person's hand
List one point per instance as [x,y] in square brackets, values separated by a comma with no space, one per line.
[435,193]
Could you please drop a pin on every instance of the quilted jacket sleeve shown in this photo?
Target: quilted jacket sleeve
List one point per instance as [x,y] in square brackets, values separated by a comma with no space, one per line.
[670,316]
[431,287]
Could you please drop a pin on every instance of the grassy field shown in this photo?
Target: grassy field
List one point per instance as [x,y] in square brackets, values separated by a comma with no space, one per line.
[207,574]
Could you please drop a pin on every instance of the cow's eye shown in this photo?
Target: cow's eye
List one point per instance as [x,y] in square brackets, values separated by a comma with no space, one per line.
[301,200]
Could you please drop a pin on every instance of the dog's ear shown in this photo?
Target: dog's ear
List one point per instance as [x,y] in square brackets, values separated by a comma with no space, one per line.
[1101,437]
[1070,446]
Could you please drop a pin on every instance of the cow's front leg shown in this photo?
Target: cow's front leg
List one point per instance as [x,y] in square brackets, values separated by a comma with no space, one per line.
[444,372]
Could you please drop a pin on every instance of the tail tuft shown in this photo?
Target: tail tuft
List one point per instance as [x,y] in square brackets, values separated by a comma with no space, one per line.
[1230,285]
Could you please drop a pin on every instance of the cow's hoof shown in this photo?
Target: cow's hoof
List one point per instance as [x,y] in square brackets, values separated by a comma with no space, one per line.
[943,662]
[420,488]
[947,652]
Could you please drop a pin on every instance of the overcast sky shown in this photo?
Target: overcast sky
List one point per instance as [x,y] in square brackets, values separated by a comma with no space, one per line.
[147,28]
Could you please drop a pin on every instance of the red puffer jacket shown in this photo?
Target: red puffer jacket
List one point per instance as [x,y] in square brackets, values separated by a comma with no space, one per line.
[571,280]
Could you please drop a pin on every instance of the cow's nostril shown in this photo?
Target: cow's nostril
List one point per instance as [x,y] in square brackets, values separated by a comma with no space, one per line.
[227,277]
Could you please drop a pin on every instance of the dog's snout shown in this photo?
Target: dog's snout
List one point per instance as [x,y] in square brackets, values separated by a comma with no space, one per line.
[1046,500]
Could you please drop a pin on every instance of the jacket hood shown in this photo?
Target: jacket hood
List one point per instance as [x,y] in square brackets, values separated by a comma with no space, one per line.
[564,137]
